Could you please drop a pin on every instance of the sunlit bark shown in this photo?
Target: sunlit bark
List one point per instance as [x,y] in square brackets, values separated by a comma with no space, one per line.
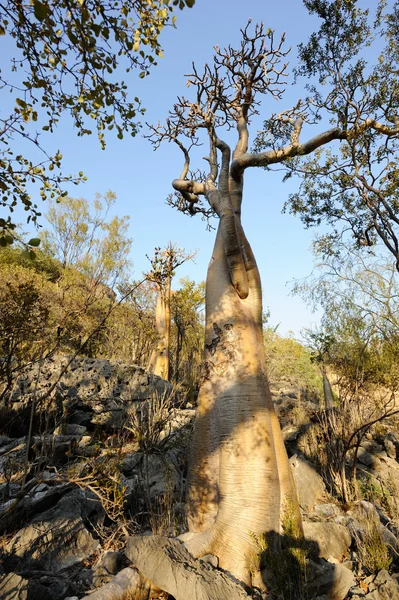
[240,481]
[159,360]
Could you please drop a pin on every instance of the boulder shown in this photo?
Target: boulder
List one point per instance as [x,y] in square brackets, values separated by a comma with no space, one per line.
[59,537]
[90,392]
[168,565]
[309,485]
[329,581]
[330,539]
[383,587]
[128,584]
[105,569]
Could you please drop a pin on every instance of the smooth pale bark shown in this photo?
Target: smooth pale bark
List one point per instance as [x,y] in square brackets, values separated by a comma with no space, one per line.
[240,483]
[159,361]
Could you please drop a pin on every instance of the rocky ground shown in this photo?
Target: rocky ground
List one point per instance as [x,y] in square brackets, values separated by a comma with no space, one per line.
[107,460]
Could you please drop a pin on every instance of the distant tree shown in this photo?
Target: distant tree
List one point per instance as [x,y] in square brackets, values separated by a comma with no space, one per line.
[65,58]
[187,334]
[85,237]
[163,266]
[358,344]
[130,330]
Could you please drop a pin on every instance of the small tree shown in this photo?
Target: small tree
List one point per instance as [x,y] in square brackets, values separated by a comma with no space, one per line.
[163,266]
[86,238]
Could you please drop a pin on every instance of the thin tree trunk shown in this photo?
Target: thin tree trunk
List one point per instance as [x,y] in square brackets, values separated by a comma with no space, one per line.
[327,391]
[159,361]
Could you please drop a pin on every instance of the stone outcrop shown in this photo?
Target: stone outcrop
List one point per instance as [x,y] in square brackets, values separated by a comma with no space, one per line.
[59,537]
[57,554]
[83,391]
[169,566]
[330,540]
[309,485]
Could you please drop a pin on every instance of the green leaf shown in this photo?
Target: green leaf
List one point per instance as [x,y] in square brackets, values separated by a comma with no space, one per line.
[190,3]
[41,10]
[2,30]
[34,242]
[25,254]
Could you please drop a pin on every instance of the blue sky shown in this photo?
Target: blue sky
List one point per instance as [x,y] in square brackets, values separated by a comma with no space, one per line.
[141,178]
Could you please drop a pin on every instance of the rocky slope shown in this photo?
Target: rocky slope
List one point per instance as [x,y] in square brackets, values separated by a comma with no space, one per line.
[106,460]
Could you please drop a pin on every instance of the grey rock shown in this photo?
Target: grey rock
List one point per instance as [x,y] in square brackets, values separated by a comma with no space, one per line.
[310,486]
[105,569]
[211,559]
[91,390]
[390,448]
[127,584]
[130,462]
[373,447]
[333,581]
[330,539]
[59,538]
[327,511]
[159,473]
[366,458]
[70,429]
[170,567]
[383,587]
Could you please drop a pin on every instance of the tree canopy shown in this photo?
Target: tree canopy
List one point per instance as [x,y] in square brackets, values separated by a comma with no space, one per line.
[353,185]
[66,58]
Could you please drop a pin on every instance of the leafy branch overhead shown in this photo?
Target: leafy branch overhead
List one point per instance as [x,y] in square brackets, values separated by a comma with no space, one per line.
[66,57]
[353,186]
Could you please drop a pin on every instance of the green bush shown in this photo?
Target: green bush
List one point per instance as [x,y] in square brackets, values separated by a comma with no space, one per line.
[288,358]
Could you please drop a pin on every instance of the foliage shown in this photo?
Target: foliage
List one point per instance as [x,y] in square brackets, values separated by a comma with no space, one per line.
[88,239]
[41,263]
[150,423]
[101,476]
[357,343]
[286,357]
[66,59]
[358,336]
[27,321]
[372,548]
[187,335]
[352,186]
[130,328]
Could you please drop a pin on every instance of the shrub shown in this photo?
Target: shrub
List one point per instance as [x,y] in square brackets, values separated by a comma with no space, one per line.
[286,357]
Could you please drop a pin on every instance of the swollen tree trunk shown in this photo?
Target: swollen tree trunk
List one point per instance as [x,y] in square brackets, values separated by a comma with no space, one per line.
[240,485]
[159,360]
